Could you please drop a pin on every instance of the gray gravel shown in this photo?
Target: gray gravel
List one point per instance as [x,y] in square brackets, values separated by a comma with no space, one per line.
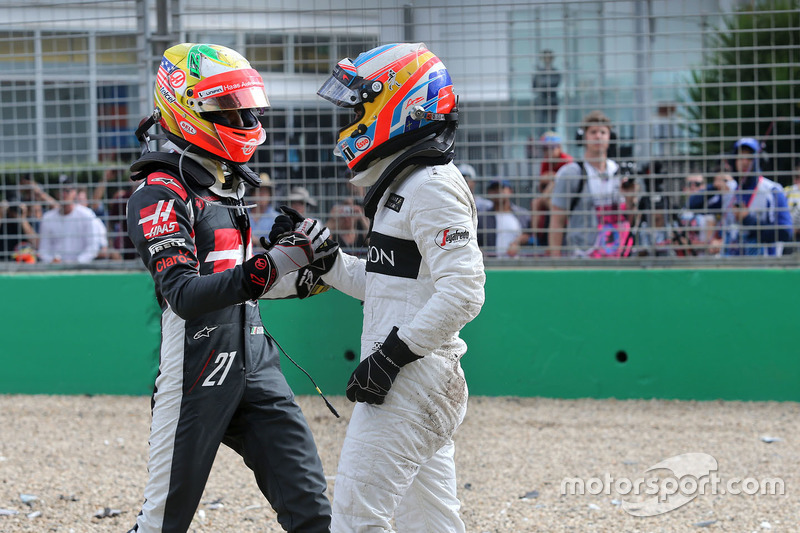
[80,464]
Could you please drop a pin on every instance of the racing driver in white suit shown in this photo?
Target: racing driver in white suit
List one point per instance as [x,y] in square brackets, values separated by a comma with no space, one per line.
[421,282]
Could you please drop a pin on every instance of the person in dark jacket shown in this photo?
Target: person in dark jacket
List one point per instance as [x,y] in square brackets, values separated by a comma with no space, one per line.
[754,209]
[219,378]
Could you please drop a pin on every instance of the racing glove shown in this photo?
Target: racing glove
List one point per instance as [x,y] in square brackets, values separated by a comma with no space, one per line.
[309,278]
[304,244]
[373,377]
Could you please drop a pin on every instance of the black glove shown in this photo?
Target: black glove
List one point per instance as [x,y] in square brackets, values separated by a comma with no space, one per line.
[259,274]
[284,223]
[373,377]
[309,278]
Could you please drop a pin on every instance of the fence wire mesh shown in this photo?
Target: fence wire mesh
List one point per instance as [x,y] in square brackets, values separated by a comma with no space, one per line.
[680,81]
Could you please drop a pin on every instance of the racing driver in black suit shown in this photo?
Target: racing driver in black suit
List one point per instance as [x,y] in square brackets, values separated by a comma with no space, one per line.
[219,379]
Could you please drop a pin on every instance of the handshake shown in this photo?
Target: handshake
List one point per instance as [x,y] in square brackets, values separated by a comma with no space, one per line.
[295,243]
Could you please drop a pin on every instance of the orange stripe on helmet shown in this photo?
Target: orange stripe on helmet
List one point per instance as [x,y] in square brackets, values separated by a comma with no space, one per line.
[385,125]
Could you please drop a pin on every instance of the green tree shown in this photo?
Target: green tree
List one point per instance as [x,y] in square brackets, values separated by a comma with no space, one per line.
[749,85]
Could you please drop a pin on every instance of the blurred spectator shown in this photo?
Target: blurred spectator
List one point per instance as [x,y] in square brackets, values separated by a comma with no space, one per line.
[755,213]
[638,213]
[793,199]
[354,191]
[69,234]
[264,213]
[696,232]
[587,203]
[545,92]
[471,177]
[348,225]
[553,158]
[299,199]
[18,239]
[36,200]
[502,230]
[104,250]
[96,202]
[118,222]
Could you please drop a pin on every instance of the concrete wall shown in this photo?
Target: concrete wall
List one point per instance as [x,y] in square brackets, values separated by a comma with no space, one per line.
[685,334]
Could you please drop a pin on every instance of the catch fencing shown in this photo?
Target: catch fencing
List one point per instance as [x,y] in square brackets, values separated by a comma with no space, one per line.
[680,80]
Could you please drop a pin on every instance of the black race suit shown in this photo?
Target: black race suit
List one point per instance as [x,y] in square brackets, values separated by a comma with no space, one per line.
[219,378]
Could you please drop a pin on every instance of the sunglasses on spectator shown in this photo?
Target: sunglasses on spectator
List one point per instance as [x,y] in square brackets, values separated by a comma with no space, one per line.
[693,183]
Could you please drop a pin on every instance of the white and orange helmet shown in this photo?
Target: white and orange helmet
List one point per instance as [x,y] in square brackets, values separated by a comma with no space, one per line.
[197,86]
[400,93]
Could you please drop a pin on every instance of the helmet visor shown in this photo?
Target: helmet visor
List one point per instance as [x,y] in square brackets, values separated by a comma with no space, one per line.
[237,89]
[339,87]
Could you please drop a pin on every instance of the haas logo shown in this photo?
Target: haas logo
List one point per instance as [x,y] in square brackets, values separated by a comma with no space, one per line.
[158,219]
[249,147]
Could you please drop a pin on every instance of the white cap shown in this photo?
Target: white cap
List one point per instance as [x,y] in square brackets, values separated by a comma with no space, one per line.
[301,194]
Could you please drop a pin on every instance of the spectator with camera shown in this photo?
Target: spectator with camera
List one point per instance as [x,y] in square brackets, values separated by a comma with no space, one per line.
[754,210]
[587,205]
[695,232]
[349,226]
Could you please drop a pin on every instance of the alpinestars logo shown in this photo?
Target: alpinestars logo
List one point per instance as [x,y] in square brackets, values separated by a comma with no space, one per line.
[205,332]
[158,219]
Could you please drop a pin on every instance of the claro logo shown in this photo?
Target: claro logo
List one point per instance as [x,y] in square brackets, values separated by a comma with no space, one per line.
[167,262]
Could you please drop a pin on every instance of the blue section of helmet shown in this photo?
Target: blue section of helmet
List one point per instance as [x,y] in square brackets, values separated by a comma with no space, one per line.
[436,82]
[363,57]
[410,124]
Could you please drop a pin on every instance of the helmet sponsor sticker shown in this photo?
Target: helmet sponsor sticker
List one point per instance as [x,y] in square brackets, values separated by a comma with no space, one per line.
[249,146]
[362,143]
[346,152]
[392,82]
[165,243]
[414,101]
[158,219]
[210,92]
[188,128]
[168,96]
[177,79]
[452,238]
